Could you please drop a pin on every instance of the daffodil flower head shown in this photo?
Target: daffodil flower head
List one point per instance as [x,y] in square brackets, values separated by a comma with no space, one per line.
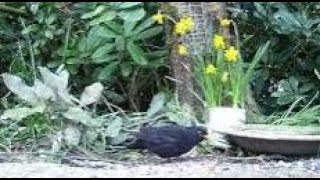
[184,26]
[231,54]
[159,18]
[218,42]
[225,22]
[182,50]
[211,70]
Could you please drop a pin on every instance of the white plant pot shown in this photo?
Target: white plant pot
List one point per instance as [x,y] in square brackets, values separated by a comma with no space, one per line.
[223,120]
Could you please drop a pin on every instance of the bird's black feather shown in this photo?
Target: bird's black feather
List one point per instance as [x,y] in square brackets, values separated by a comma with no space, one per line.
[168,141]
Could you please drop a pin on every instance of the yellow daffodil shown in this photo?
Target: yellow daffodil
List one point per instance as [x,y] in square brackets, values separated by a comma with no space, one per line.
[218,42]
[231,54]
[225,22]
[182,50]
[184,26]
[224,78]
[188,22]
[180,29]
[159,18]
[211,70]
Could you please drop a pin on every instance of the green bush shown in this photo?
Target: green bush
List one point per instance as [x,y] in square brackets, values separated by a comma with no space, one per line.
[289,71]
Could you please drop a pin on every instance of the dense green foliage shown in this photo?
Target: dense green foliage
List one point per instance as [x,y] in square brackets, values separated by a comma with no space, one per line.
[289,72]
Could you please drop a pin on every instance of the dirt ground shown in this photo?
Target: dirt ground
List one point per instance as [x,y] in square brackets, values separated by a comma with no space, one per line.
[204,166]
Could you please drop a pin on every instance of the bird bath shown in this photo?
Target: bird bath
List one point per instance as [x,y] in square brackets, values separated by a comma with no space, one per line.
[271,139]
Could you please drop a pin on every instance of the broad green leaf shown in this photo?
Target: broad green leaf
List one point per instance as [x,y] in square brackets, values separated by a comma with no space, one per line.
[157,54]
[106,32]
[18,114]
[97,11]
[107,16]
[149,33]
[74,61]
[294,83]
[157,104]
[16,85]
[93,42]
[285,100]
[51,19]
[48,34]
[78,115]
[82,44]
[121,44]
[126,5]
[115,26]
[128,27]
[114,97]
[43,91]
[105,59]
[137,53]
[132,15]
[55,81]
[108,71]
[31,28]
[145,24]
[102,51]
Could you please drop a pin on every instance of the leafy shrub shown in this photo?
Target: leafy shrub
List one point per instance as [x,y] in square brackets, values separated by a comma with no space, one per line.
[288,72]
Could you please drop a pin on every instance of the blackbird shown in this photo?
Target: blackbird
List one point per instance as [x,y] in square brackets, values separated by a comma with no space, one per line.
[169,140]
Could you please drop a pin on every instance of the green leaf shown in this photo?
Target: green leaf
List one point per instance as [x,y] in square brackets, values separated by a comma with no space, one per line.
[121,43]
[55,81]
[93,42]
[149,33]
[128,27]
[48,34]
[137,53]
[132,15]
[157,104]
[285,100]
[108,71]
[74,61]
[157,54]
[97,11]
[126,69]
[102,51]
[17,85]
[107,16]
[115,26]
[31,28]
[18,114]
[114,127]
[294,83]
[105,59]
[126,5]
[80,116]
[114,97]
[43,91]
[106,32]
[51,19]
[147,23]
